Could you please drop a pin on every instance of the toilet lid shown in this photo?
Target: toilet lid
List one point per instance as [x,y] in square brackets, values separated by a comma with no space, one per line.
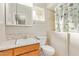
[47,47]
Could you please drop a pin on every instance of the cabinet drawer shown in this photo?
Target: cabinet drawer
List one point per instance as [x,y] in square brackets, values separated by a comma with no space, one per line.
[25,49]
[33,53]
[6,53]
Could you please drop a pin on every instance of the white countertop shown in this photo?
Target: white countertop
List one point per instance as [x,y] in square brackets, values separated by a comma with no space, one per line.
[17,43]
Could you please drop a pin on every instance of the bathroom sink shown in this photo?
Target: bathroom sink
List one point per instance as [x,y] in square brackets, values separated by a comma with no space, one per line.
[26,41]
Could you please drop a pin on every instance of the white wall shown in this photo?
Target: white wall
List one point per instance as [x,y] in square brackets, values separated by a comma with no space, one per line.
[74,44]
[58,40]
[2,22]
[37,27]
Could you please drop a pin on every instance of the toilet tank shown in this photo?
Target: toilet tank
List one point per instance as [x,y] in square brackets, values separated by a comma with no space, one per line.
[42,39]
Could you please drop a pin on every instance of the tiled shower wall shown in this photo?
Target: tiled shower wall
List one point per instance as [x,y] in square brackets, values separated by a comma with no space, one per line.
[36,28]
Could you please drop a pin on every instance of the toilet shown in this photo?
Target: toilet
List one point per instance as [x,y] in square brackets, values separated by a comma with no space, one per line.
[46,50]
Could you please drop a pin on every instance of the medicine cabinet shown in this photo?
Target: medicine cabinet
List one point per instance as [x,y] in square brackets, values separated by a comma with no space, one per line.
[18,14]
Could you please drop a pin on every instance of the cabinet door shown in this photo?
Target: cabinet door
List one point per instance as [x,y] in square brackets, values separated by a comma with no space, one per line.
[6,53]
[10,13]
[33,53]
[25,49]
[25,15]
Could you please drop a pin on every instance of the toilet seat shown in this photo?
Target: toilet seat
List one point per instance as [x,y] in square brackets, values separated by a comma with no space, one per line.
[48,50]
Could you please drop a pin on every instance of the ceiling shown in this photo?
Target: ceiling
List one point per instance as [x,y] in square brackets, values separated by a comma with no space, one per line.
[52,5]
[47,5]
[43,5]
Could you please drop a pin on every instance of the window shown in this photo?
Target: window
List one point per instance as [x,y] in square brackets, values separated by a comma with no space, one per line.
[38,14]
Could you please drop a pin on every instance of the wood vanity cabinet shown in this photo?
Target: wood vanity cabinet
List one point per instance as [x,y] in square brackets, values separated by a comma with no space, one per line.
[33,53]
[6,52]
[28,50]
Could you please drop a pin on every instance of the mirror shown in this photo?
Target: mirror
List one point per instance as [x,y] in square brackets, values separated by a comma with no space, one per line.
[20,19]
[18,14]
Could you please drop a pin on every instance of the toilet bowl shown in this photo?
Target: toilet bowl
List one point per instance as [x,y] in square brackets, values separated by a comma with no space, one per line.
[47,50]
